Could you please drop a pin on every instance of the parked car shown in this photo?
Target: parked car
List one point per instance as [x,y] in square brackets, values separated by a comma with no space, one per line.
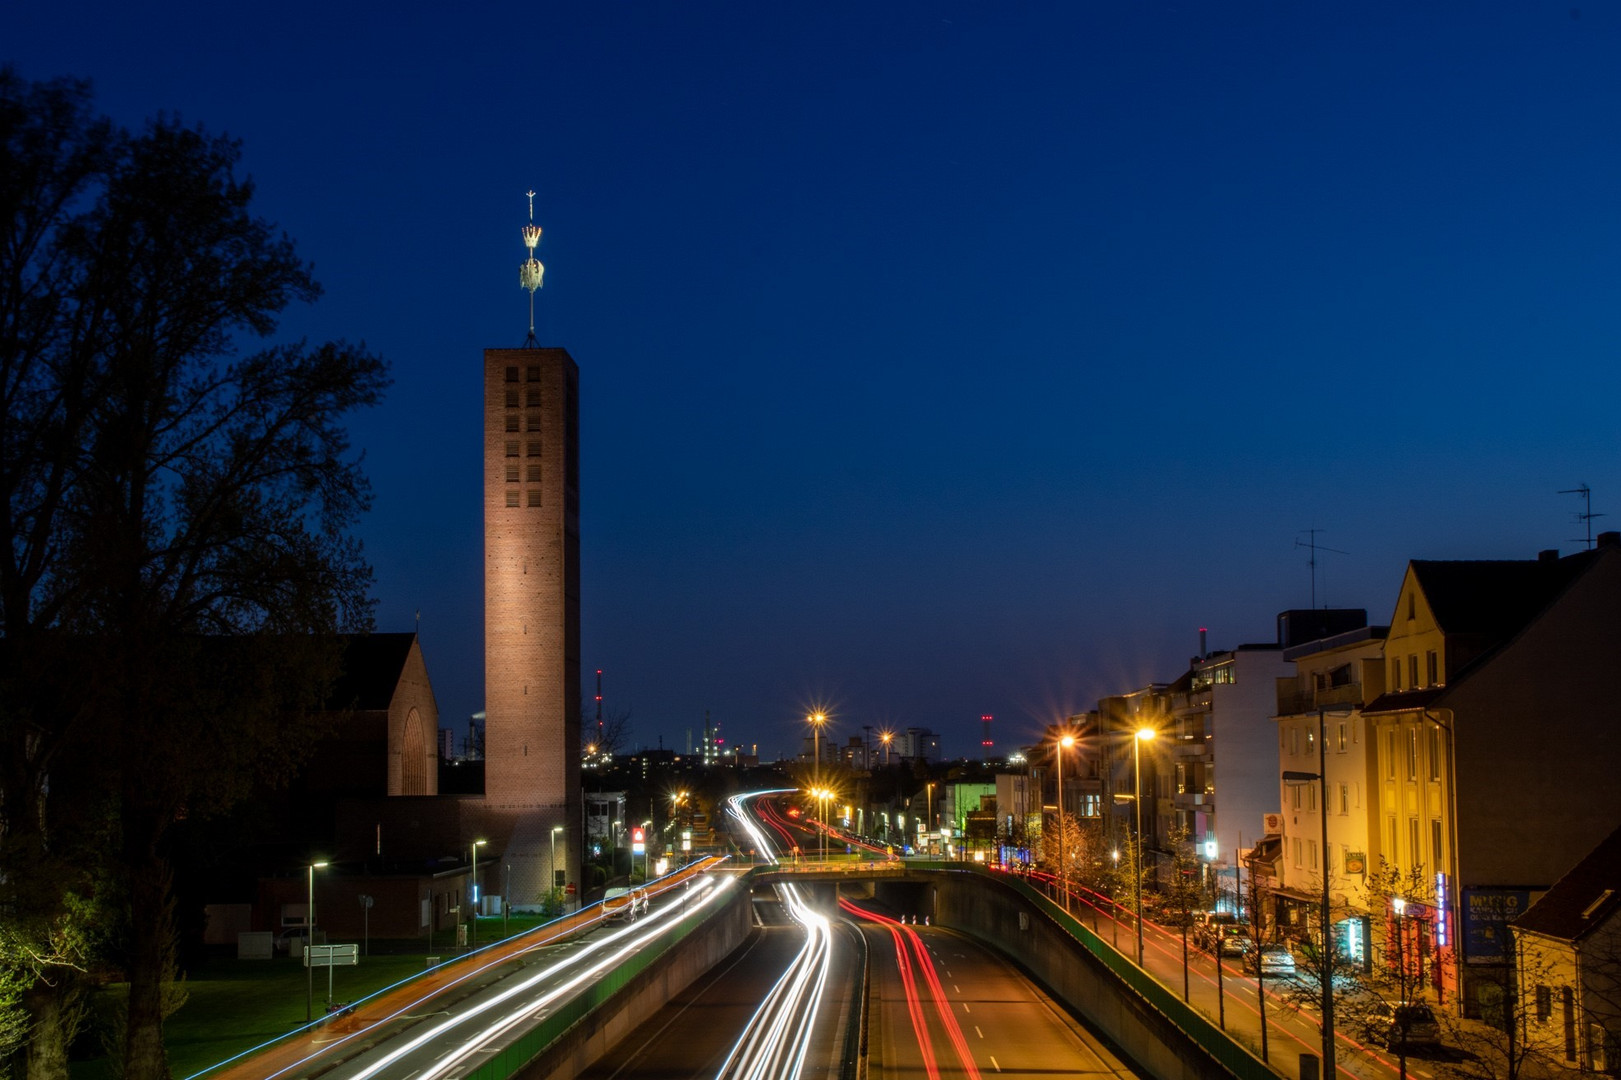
[1237,943]
[1276,961]
[293,938]
[1408,1023]
[1214,926]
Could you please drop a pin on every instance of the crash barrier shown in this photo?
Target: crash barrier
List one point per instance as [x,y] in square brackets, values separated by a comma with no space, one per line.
[587,1025]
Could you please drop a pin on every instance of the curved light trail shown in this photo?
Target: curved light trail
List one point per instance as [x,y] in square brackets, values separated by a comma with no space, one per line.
[778,1036]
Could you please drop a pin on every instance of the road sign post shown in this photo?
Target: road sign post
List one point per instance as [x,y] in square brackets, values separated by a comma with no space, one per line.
[329,957]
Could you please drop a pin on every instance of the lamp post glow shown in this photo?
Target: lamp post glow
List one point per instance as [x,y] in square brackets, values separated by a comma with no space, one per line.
[1064,743]
[473,893]
[309,939]
[887,737]
[1142,736]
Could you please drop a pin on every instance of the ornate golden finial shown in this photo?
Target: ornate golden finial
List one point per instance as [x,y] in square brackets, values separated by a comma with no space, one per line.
[531,272]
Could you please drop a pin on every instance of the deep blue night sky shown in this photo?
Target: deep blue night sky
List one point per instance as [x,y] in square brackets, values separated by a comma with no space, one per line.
[937,359]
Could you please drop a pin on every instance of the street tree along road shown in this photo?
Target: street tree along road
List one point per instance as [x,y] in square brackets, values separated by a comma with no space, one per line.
[176,516]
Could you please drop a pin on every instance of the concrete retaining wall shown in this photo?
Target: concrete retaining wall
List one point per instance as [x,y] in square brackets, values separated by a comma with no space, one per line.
[672,973]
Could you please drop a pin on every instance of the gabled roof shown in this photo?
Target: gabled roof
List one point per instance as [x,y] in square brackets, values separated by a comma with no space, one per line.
[1402,701]
[1583,899]
[1493,599]
[371,669]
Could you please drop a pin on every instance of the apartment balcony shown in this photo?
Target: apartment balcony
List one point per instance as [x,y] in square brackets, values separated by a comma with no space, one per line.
[1191,749]
[1293,701]
[1194,800]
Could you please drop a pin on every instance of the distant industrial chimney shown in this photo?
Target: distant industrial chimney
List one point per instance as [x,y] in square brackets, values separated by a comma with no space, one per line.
[1202,653]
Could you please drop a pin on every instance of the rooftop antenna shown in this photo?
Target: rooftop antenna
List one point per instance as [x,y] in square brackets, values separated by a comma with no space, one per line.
[1587,514]
[530,273]
[1311,543]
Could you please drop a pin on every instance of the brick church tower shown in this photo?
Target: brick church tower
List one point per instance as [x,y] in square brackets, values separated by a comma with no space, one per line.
[532,608]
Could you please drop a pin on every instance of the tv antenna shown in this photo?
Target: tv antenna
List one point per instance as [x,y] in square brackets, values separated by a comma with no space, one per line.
[1314,547]
[1587,515]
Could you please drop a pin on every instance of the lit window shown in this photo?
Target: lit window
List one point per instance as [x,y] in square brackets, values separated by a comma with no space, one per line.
[1345,798]
[1311,796]
[1435,752]
[1295,789]
[1311,854]
[1412,839]
[1296,848]
[1342,737]
[1412,671]
[1435,841]
[1412,753]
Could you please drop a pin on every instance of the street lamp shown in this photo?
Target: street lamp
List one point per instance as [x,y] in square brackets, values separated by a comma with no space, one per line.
[928,803]
[816,721]
[555,830]
[309,940]
[887,737]
[1143,735]
[1325,955]
[1064,743]
[473,893]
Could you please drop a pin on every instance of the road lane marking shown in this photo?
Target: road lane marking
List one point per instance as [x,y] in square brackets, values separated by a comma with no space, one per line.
[995,1066]
[965,1006]
[955,989]
[978,1032]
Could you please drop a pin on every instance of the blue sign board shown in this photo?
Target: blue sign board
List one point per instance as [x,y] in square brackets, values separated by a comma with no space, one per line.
[1487,914]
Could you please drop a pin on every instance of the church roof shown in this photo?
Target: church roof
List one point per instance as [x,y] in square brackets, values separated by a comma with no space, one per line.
[1581,900]
[371,669]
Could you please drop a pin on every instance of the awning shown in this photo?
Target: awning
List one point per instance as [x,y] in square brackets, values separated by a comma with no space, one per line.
[1297,896]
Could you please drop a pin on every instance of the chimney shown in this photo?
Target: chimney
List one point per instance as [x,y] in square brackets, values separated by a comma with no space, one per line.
[1202,652]
[1551,555]
[1609,539]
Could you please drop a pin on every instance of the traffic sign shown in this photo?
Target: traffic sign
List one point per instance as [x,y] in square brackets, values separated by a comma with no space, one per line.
[638,842]
[331,955]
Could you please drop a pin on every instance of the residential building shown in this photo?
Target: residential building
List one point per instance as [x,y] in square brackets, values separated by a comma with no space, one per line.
[1496,736]
[1568,949]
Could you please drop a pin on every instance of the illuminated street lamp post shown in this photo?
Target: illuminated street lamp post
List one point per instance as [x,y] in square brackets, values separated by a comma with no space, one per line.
[309,940]
[473,894]
[1064,743]
[816,720]
[1143,735]
[555,830]
[887,737]
[928,826]
[1325,956]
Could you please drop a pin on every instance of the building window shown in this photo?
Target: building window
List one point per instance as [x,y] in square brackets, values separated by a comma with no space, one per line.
[1435,842]
[1544,1004]
[1412,753]
[532,398]
[1181,778]
[512,474]
[1412,606]
[512,374]
[1390,832]
[1311,741]
[512,498]
[512,421]
[1342,737]
[1345,798]
[1390,754]
[512,448]
[1311,797]
[534,498]
[534,448]
[1435,753]
[532,422]
[1395,673]
[1432,668]
[1311,854]
[1295,793]
[532,373]
[1412,839]
[1412,671]
[1296,849]
[534,474]
[1294,741]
